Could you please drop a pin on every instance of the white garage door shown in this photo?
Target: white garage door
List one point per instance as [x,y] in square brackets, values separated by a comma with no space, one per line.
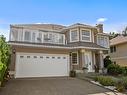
[41,65]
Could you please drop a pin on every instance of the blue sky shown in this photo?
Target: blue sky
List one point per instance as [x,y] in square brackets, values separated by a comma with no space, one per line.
[113,13]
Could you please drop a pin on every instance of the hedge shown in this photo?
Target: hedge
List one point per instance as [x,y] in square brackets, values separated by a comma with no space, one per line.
[3,68]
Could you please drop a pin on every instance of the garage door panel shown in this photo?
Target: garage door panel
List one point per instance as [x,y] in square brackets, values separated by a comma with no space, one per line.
[41,65]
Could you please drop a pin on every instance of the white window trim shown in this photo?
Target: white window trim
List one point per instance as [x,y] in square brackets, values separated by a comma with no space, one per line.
[86,36]
[77,58]
[77,35]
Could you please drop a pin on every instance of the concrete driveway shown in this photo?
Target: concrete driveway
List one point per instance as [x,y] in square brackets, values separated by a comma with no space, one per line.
[50,86]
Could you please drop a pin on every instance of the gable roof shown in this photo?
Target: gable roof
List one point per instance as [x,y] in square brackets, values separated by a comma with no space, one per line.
[118,40]
[81,25]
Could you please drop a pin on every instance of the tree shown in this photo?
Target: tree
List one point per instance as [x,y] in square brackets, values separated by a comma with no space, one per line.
[107,61]
[4,51]
[113,35]
[124,32]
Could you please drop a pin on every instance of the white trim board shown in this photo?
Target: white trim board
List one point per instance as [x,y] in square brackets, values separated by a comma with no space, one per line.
[78,47]
[120,57]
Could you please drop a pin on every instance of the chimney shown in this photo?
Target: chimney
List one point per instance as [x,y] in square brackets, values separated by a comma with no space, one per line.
[100,28]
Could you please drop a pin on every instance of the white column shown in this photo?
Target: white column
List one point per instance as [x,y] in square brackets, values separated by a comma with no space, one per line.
[101,61]
[83,57]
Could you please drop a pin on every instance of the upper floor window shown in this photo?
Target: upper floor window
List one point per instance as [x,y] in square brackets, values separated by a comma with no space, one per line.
[54,38]
[103,41]
[86,35]
[112,49]
[33,37]
[39,38]
[74,35]
[27,36]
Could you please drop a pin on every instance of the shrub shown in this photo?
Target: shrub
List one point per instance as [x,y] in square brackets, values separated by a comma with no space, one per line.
[114,69]
[105,80]
[120,86]
[107,61]
[124,80]
[2,71]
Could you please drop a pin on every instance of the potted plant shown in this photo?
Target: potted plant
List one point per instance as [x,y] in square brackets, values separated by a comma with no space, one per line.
[85,69]
[72,73]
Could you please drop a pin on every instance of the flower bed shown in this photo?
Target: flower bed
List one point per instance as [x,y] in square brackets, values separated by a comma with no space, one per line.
[118,83]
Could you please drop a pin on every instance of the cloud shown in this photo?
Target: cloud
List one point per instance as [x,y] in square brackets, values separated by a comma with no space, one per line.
[101,20]
[5,32]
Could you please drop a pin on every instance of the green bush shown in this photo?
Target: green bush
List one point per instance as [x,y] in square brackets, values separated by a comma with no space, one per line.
[115,69]
[124,80]
[105,80]
[120,86]
[2,71]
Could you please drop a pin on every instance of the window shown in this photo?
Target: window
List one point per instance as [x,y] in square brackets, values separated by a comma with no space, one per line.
[21,56]
[27,36]
[53,57]
[39,38]
[33,37]
[54,38]
[73,35]
[85,35]
[35,56]
[41,56]
[103,41]
[112,49]
[28,56]
[61,38]
[74,58]
[58,57]
[47,57]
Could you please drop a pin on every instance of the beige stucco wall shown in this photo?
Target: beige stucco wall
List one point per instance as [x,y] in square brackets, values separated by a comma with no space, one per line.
[120,56]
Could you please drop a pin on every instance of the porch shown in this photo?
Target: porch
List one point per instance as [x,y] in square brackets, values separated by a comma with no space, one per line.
[89,59]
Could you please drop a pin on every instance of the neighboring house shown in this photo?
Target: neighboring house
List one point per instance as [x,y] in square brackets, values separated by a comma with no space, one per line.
[118,50]
[44,50]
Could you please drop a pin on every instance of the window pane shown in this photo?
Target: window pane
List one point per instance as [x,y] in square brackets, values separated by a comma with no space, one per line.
[39,38]
[74,35]
[84,32]
[85,35]
[27,36]
[33,37]
[86,38]
[74,58]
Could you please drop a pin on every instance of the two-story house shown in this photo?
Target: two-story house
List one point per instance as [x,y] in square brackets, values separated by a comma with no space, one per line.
[45,50]
[118,50]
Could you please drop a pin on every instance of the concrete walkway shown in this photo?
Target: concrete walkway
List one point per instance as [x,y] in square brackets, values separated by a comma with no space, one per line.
[50,86]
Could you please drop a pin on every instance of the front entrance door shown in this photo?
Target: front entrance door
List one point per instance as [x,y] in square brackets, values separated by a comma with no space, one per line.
[88,61]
